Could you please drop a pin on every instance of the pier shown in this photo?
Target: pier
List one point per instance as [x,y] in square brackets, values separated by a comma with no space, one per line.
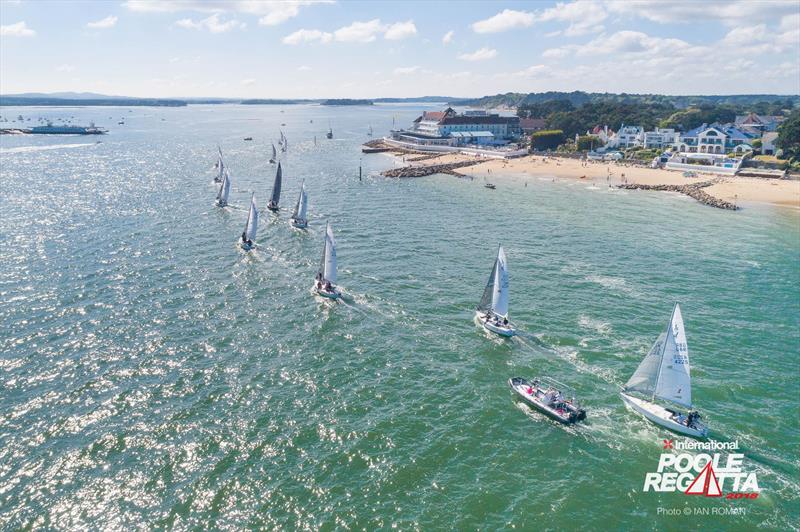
[694,190]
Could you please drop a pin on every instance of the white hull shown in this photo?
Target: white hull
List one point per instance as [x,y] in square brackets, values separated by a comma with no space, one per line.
[564,413]
[333,294]
[220,203]
[661,416]
[298,224]
[245,246]
[503,330]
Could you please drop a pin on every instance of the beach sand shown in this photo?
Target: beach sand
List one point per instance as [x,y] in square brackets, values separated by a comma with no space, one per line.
[734,189]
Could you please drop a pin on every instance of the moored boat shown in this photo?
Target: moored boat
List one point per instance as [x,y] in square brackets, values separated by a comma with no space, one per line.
[492,311]
[552,398]
[665,374]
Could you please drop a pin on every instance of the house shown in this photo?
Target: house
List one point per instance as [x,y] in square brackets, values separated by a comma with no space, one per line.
[758,123]
[715,138]
[627,137]
[768,143]
[531,125]
[660,138]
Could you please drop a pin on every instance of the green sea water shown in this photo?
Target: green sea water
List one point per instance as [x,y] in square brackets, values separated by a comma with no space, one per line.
[153,375]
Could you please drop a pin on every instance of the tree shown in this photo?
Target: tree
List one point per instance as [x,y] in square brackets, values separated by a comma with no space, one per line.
[789,136]
[589,142]
[547,140]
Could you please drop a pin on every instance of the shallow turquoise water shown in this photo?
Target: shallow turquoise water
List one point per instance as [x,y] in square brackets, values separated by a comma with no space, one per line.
[155,375]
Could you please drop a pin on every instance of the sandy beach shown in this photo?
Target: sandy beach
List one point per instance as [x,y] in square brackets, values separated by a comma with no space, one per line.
[782,192]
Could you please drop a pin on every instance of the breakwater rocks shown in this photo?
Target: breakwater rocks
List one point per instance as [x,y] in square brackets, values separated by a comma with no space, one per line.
[421,171]
[694,190]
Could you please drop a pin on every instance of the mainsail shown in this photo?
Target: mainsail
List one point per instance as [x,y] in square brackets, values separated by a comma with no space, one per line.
[327,267]
[664,372]
[276,187]
[224,190]
[495,295]
[302,204]
[251,227]
[220,166]
[274,153]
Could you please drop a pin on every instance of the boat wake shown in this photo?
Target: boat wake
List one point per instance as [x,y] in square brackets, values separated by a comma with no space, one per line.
[28,149]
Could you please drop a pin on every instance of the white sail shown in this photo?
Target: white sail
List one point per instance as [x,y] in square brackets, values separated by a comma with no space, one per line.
[220,165]
[500,289]
[644,378]
[328,266]
[224,190]
[274,153]
[251,228]
[301,206]
[674,382]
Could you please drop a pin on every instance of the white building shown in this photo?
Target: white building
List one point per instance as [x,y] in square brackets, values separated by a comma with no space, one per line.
[627,137]
[660,138]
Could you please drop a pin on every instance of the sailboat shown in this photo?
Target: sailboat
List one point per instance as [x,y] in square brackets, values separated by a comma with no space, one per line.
[282,142]
[664,374]
[299,217]
[329,134]
[276,191]
[248,238]
[220,167]
[492,311]
[274,158]
[224,190]
[369,133]
[325,281]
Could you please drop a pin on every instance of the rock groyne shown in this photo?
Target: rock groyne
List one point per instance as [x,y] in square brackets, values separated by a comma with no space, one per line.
[421,171]
[694,190]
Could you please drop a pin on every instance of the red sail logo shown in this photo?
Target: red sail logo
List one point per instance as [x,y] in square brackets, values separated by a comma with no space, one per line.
[705,484]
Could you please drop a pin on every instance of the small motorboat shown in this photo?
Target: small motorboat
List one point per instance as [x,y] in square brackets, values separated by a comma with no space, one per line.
[552,398]
[248,138]
[491,186]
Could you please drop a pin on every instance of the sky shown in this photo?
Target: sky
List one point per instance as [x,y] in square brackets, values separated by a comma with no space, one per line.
[340,48]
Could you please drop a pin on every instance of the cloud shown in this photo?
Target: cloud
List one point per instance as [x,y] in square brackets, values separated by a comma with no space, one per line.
[212,24]
[730,12]
[359,31]
[448,37]
[746,35]
[303,36]
[402,71]
[584,16]
[19,29]
[271,12]
[247,82]
[505,20]
[304,68]
[479,55]
[531,71]
[556,53]
[102,24]
[65,68]
[400,30]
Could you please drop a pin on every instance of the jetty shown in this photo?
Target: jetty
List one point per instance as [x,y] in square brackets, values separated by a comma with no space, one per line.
[693,190]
